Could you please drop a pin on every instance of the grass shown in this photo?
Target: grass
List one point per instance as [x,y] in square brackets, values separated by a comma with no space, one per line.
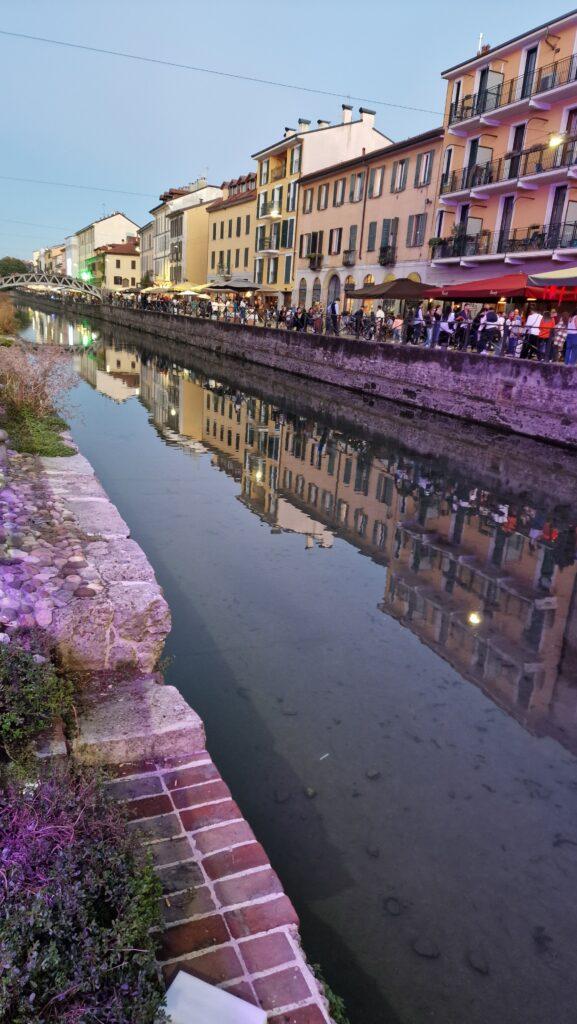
[5,342]
[36,435]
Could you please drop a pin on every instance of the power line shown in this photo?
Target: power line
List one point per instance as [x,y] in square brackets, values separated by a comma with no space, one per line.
[212,71]
[31,223]
[88,188]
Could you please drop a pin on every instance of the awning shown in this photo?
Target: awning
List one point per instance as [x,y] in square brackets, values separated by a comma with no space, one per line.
[509,286]
[565,278]
[234,284]
[404,288]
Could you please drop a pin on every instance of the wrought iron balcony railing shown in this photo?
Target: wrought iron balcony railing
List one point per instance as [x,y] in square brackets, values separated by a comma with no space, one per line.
[531,238]
[536,160]
[561,72]
[270,210]
[349,257]
[267,243]
[387,255]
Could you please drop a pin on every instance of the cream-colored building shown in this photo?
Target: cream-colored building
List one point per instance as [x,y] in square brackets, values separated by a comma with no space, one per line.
[231,226]
[146,245]
[112,229]
[180,233]
[280,166]
[55,259]
[114,267]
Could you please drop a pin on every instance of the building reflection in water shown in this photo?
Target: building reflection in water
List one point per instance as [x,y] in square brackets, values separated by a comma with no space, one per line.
[487,582]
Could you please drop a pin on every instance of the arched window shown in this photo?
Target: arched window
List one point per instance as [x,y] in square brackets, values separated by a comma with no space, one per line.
[349,286]
[302,292]
[334,291]
[317,289]
[413,276]
[368,303]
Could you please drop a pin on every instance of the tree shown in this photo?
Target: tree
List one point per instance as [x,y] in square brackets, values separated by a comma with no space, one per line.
[147,280]
[12,265]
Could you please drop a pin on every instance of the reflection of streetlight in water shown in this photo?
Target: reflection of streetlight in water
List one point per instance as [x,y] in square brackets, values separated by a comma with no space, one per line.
[474,618]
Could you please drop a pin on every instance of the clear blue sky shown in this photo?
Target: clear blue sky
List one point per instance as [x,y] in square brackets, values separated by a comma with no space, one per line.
[100,120]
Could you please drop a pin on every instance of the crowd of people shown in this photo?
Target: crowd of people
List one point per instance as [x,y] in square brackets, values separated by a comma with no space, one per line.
[546,335]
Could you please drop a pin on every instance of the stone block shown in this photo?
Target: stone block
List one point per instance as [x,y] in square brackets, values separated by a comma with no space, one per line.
[261,917]
[195,796]
[266,951]
[221,837]
[232,862]
[217,966]
[193,936]
[245,888]
[283,988]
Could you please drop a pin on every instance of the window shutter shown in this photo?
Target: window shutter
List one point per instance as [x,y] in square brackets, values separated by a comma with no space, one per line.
[372,236]
[431,155]
[394,231]
[352,189]
[320,242]
[421,228]
[418,170]
[283,233]
[385,232]
[394,176]
[410,229]
[290,233]
[301,245]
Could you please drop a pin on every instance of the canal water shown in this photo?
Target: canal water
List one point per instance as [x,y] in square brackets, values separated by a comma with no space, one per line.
[383,647]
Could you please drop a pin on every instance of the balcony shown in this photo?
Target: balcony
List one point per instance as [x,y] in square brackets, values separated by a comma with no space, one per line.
[270,211]
[268,245]
[278,172]
[315,260]
[223,270]
[560,76]
[558,163]
[514,245]
[387,255]
[349,257]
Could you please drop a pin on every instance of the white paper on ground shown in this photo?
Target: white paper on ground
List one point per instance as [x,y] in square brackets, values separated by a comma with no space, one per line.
[191,1001]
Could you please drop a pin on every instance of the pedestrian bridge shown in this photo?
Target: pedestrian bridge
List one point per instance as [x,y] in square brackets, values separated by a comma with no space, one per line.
[56,282]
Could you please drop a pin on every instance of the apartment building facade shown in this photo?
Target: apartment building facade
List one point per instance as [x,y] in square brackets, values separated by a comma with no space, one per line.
[231,226]
[508,191]
[115,228]
[146,246]
[187,227]
[117,266]
[367,220]
[280,167]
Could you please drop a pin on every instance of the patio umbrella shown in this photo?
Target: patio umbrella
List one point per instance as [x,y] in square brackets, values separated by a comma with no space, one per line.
[404,288]
[565,278]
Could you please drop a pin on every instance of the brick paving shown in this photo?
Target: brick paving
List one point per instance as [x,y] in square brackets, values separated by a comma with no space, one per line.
[227,919]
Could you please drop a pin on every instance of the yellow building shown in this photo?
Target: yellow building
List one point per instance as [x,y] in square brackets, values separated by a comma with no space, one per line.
[231,223]
[114,267]
[279,169]
[110,230]
[180,233]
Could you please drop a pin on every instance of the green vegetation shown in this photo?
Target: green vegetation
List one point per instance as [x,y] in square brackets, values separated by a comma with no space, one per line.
[35,434]
[12,265]
[337,1009]
[33,694]
[5,342]
[79,900]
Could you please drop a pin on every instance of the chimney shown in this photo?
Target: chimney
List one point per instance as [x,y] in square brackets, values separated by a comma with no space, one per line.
[347,113]
[289,131]
[367,117]
[323,124]
[303,124]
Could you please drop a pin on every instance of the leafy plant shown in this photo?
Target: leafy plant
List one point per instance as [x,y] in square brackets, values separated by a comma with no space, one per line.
[78,901]
[12,265]
[36,435]
[32,695]
[337,1008]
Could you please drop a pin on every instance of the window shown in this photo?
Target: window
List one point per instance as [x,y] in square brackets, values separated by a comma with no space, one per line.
[247,223]
[276,198]
[376,179]
[237,257]
[117,280]
[399,175]
[214,232]
[238,226]
[347,471]
[272,270]
[295,160]
[246,257]
[424,168]
[307,200]
[416,229]
[323,197]
[335,241]
[446,166]
[117,264]
[259,238]
[385,488]
[439,223]
[356,186]
[288,269]
[212,259]
[258,266]
[339,191]
[133,264]
[372,236]
[291,197]
[264,172]
[132,281]
[262,197]
[352,238]
[302,292]
[287,234]
[311,243]
[230,228]
[222,229]
[317,289]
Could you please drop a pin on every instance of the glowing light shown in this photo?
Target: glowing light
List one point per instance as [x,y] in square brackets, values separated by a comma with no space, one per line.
[258,476]
[556,139]
[474,618]
[173,412]
[85,275]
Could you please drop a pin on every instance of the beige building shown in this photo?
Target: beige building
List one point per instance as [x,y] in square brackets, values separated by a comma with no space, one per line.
[180,233]
[280,167]
[146,245]
[114,267]
[112,229]
[367,220]
[54,259]
[231,226]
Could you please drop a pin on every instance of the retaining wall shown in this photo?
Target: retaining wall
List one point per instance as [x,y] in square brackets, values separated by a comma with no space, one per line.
[533,399]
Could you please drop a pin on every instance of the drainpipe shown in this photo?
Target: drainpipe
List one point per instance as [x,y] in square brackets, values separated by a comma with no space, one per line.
[366,189]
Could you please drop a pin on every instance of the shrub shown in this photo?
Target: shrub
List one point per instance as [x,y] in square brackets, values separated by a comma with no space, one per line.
[36,435]
[8,322]
[34,378]
[32,696]
[77,902]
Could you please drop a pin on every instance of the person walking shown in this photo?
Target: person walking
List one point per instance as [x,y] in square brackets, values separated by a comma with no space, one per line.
[546,336]
[531,342]
[514,325]
[571,341]
[334,309]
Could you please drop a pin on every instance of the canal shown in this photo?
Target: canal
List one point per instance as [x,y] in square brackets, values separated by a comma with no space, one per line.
[383,647]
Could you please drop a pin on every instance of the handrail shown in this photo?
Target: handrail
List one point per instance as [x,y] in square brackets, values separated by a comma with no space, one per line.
[531,238]
[551,76]
[535,160]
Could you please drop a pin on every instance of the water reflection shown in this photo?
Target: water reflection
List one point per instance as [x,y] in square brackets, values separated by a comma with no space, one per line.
[487,581]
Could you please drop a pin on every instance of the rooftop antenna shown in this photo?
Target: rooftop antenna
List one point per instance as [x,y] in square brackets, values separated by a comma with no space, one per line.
[480,42]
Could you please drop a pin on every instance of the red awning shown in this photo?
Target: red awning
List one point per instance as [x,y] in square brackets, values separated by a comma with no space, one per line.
[509,286]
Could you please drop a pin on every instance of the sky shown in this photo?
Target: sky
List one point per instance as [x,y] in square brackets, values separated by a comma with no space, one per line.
[97,120]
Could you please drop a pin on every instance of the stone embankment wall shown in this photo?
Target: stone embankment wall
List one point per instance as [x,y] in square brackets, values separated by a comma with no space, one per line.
[535,399]
[69,568]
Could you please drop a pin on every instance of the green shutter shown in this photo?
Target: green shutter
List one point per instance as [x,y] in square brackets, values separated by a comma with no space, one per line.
[418,169]
[410,224]
[394,176]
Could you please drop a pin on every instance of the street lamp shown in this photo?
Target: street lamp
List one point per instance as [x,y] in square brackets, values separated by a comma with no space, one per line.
[556,139]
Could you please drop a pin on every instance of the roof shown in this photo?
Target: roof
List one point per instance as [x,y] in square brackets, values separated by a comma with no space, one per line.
[298,135]
[243,180]
[509,42]
[145,227]
[396,147]
[236,200]
[108,216]
[120,248]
